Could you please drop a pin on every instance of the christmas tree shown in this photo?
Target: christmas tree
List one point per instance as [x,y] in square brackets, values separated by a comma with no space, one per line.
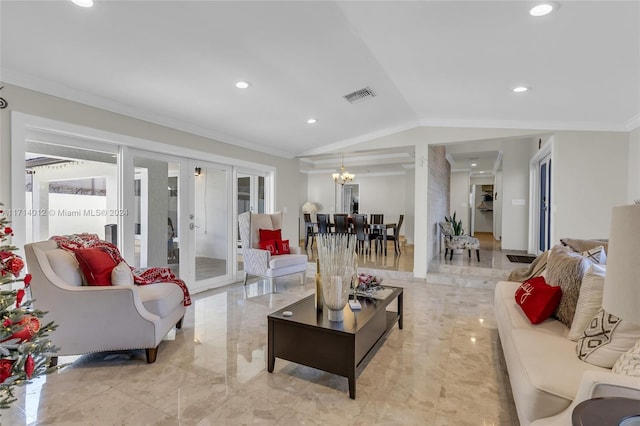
[25,352]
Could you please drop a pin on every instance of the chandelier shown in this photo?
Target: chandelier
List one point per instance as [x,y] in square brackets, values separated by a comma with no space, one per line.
[343,176]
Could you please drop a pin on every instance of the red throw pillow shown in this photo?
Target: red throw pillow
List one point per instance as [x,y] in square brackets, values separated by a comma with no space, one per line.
[269,245]
[270,234]
[538,299]
[96,265]
[283,247]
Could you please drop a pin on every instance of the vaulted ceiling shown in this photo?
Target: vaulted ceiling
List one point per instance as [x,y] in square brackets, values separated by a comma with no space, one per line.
[444,63]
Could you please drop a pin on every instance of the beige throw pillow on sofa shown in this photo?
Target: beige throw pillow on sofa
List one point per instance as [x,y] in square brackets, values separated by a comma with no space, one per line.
[589,300]
[566,269]
[605,339]
[121,275]
[629,362]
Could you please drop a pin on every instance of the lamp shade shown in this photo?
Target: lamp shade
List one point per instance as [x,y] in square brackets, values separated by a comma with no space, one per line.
[621,295]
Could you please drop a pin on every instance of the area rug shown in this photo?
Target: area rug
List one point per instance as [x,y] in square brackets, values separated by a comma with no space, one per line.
[520,259]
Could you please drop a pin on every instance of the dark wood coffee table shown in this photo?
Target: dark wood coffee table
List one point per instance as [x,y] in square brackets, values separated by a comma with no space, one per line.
[344,348]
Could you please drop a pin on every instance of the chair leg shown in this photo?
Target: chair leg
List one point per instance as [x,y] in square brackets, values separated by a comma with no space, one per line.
[53,361]
[245,278]
[469,253]
[152,353]
[451,255]
[179,323]
[478,254]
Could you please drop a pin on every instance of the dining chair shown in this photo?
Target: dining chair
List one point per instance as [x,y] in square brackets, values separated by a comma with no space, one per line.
[395,236]
[340,223]
[323,223]
[362,232]
[376,218]
[310,230]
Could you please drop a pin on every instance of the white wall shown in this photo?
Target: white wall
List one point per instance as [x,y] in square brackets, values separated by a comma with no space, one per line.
[515,190]
[409,216]
[589,177]
[634,166]
[459,201]
[483,218]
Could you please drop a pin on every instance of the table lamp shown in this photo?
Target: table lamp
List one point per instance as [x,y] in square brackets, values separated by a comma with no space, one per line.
[621,296]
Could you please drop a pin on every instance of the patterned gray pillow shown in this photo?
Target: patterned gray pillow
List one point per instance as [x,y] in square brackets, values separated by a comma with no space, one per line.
[566,269]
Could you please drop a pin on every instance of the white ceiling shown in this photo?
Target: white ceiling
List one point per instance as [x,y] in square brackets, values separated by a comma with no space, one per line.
[447,63]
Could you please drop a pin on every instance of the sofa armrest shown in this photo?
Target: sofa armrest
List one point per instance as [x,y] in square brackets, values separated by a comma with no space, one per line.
[595,384]
[256,261]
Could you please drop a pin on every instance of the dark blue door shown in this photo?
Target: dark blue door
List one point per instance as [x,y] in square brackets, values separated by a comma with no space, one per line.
[542,240]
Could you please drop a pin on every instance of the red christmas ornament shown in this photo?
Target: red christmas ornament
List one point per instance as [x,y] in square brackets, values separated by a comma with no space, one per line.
[19,297]
[27,280]
[30,329]
[5,369]
[7,322]
[8,230]
[14,265]
[29,366]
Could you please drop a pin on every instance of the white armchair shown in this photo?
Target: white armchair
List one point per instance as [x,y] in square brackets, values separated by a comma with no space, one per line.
[99,318]
[260,262]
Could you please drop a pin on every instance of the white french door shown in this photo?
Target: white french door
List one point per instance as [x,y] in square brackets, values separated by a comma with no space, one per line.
[210,225]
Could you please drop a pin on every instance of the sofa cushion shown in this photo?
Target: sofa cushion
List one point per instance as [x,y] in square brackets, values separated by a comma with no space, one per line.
[287,260]
[537,299]
[549,372]
[160,298]
[96,265]
[122,275]
[589,300]
[606,338]
[566,269]
[65,266]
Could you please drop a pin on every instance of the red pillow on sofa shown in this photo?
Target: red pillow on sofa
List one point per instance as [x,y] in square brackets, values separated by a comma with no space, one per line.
[270,234]
[538,299]
[283,247]
[269,245]
[96,265]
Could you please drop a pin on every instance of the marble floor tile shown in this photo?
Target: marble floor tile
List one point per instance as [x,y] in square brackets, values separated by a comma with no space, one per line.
[443,368]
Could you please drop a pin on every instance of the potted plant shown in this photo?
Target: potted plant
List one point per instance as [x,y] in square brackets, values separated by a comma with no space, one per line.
[457,225]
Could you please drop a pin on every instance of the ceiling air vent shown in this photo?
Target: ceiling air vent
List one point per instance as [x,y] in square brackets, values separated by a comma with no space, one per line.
[360,95]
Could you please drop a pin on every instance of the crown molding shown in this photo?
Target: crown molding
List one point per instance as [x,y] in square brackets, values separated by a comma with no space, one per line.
[529,125]
[31,82]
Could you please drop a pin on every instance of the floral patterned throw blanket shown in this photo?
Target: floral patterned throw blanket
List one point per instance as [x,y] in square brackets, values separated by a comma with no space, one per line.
[140,277]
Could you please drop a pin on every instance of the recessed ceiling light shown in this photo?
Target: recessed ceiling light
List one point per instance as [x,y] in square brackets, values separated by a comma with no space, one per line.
[520,89]
[474,164]
[83,3]
[542,9]
[481,171]
[242,84]
[312,121]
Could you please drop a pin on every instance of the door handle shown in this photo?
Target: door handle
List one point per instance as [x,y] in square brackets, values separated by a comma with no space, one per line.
[193,226]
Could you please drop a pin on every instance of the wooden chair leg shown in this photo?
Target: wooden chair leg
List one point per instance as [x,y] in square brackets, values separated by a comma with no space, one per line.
[478,254]
[53,361]
[152,353]
[451,255]
[469,253]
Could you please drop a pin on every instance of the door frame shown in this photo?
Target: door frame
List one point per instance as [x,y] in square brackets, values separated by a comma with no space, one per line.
[545,151]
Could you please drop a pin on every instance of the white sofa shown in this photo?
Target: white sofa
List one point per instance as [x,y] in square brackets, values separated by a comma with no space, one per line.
[99,318]
[547,377]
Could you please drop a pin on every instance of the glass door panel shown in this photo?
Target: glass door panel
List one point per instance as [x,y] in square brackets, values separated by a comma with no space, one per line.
[70,190]
[156,213]
[210,223]
[250,197]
